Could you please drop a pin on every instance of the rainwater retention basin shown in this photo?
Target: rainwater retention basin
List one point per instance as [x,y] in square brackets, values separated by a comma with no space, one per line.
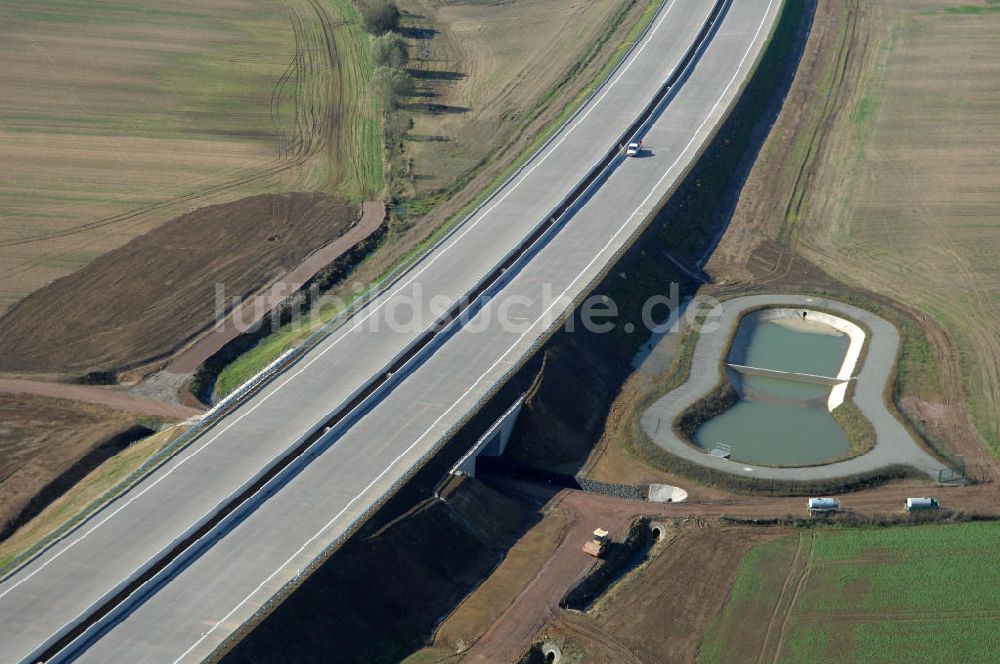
[791,369]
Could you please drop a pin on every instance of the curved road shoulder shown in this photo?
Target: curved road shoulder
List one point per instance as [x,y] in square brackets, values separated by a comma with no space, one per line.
[894,445]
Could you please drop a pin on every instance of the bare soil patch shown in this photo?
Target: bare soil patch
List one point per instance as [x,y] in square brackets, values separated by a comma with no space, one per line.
[659,612]
[146,299]
[655,613]
[253,310]
[103,396]
[41,438]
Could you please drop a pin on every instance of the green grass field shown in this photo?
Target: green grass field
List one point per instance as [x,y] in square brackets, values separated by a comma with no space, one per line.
[270,348]
[903,594]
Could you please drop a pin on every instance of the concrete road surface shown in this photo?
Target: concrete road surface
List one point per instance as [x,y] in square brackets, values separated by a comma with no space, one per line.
[194,611]
[226,585]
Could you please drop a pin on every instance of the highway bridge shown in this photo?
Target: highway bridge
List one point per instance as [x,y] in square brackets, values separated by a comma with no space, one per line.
[168,571]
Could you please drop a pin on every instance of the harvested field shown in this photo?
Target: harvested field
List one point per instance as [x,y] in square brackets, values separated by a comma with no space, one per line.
[459,61]
[923,594]
[41,438]
[146,299]
[486,69]
[116,118]
[882,171]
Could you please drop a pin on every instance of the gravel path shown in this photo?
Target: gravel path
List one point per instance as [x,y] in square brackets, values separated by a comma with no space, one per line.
[253,309]
[894,444]
[105,396]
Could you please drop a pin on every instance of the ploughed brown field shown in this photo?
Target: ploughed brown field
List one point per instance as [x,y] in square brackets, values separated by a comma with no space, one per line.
[146,299]
[31,455]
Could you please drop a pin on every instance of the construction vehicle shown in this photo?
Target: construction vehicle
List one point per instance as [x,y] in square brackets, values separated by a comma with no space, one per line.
[598,544]
[913,504]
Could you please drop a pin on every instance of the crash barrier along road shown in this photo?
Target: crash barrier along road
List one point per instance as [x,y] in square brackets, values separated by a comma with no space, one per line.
[277,534]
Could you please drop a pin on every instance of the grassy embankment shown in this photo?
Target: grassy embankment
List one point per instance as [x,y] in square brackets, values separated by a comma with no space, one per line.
[904,594]
[271,347]
[82,496]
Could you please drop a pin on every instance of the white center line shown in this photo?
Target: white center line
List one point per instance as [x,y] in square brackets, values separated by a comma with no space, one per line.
[556,301]
[384,300]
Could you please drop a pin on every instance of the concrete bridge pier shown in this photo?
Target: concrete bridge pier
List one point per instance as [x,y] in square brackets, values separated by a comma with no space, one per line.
[493,443]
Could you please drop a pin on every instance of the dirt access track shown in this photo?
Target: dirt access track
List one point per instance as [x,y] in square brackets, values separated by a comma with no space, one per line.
[148,298]
[102,396]
[662,621]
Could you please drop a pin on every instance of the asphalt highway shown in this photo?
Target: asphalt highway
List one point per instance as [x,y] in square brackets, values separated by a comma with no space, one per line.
[194,610]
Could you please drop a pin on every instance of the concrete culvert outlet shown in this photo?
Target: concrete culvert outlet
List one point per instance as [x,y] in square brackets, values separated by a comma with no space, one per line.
[657,530]
[552,653]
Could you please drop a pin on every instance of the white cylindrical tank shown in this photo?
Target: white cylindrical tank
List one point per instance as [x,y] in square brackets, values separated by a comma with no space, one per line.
[921,504]
[824,504]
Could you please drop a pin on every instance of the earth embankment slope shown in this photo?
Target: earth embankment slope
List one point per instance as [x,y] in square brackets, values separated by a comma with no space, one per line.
[382,594]
[37,448]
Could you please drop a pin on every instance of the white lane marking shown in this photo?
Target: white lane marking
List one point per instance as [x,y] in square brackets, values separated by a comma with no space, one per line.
[384,300]
[556,301]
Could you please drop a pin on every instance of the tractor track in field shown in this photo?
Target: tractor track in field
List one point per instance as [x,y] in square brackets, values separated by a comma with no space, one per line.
[803,579]
[166,204]
[761,657]
[315,126]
